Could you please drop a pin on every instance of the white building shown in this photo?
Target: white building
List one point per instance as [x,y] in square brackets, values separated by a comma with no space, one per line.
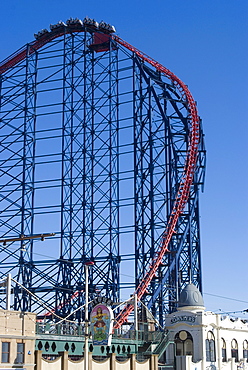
[203,340]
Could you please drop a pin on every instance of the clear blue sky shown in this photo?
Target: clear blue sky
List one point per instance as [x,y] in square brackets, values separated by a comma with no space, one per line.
[204,42]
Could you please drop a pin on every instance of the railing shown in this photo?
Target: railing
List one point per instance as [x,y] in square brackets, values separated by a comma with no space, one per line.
[72,329]
[60,329]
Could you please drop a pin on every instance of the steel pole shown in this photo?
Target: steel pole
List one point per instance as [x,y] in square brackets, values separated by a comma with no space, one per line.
[8,291]
[86,318]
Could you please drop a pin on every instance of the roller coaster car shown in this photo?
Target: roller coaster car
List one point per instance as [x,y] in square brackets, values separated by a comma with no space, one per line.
[74,22]
[101,42]
[58,26]
[40,34]
[90,22]
[107,28]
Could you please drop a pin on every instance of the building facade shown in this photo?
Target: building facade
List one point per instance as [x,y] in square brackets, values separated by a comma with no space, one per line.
[195,339]
[17,337]
[201,339]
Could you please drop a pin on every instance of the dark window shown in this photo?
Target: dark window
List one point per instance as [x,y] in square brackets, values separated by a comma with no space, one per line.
[20,353]
[234,353]
[223,350]
[234,350]
[5,352]
[245,354]
[207,350]
[184,343]
[210,348]
[245,350]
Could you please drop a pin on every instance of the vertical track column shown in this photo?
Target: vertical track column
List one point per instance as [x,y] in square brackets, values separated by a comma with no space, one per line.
[22,300]
[69,277]
[101,170]
[143,173]
[65,262]
[114,248]
[88,164]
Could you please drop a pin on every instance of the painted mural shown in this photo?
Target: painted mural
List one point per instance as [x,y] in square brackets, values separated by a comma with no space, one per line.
[101,323]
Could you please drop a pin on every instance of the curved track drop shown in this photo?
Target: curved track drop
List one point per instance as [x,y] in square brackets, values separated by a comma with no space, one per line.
[129,147]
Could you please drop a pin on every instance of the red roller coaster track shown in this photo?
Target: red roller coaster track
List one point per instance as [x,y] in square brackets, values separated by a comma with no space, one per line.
[189,167]
[184,187]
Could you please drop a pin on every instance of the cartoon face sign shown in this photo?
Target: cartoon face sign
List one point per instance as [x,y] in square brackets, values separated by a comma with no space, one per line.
[101,323]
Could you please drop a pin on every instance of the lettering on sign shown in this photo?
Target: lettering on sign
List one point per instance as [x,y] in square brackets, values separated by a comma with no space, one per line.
[103,300]
[184,318]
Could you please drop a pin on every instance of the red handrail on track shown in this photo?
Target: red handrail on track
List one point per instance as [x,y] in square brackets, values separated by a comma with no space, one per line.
[27,50]
[184,187]
[189,168]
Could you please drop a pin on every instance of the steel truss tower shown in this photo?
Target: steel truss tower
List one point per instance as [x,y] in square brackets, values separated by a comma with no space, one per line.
[94,146]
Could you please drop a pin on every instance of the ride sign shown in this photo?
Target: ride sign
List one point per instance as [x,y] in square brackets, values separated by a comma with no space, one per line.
[185,318]
[101,324]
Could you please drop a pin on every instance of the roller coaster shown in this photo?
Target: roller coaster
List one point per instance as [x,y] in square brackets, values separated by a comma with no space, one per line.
[102,151]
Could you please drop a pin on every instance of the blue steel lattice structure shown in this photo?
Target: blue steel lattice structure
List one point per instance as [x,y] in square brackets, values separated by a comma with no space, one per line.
[93,148]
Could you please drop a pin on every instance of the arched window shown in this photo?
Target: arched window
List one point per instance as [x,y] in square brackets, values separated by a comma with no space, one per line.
[223,350]
[184,343]
[210,347]
[245,350]
[234,350]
